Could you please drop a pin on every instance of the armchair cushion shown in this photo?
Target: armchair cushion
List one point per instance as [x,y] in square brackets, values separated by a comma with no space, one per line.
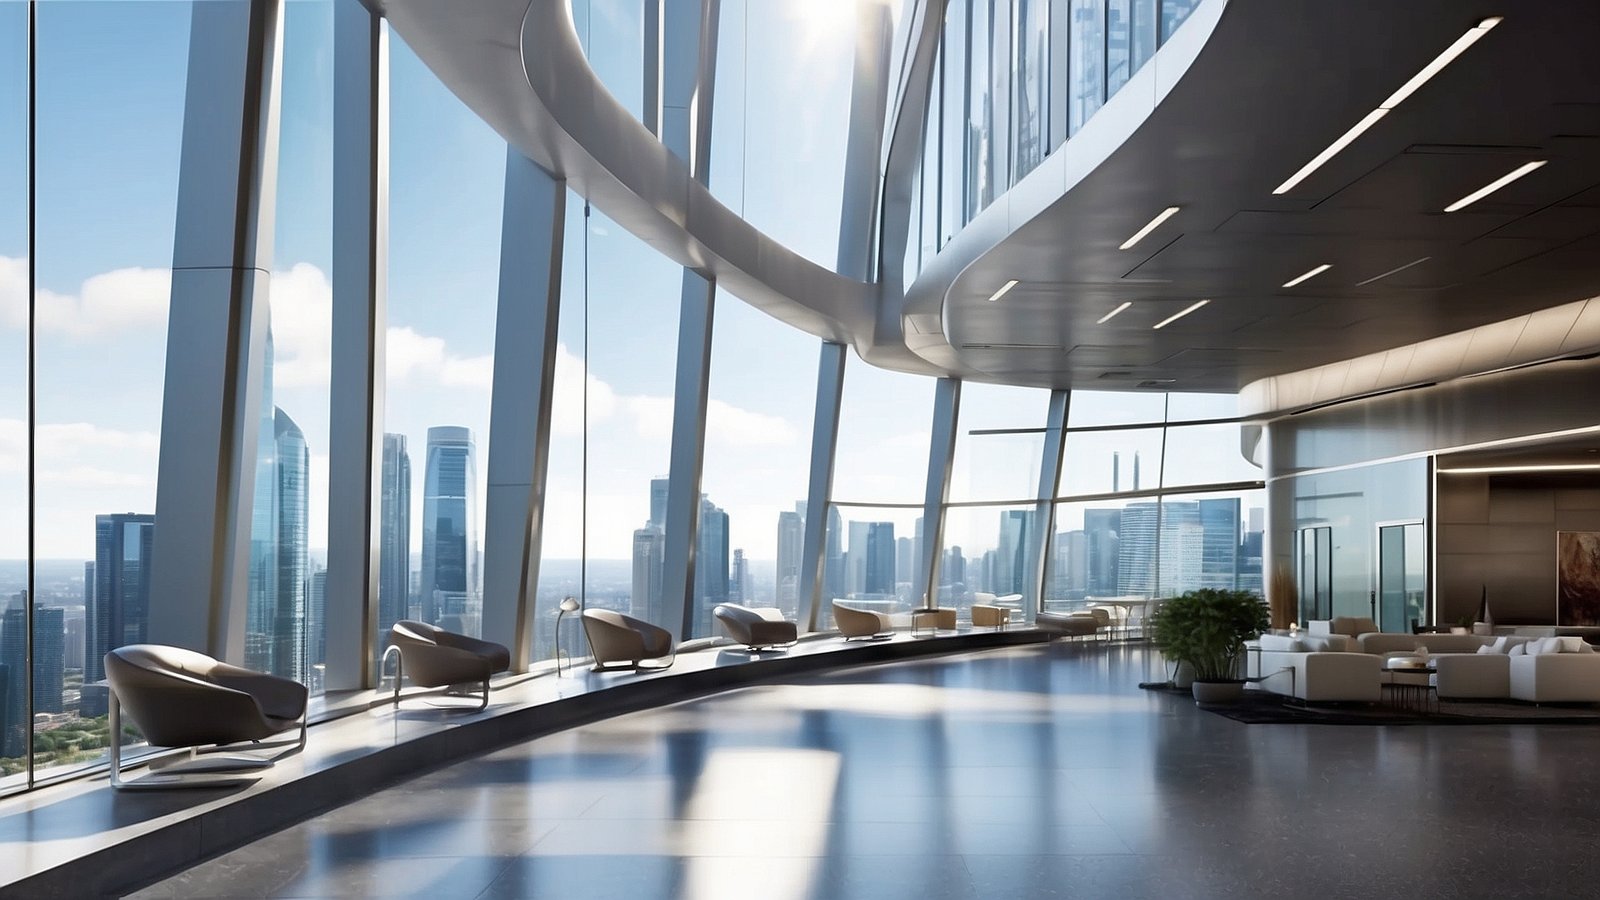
[434,657]
[180,698]
[756,627]
[614,637]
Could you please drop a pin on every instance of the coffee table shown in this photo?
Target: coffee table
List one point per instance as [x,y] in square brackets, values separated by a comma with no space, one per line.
[1413,696]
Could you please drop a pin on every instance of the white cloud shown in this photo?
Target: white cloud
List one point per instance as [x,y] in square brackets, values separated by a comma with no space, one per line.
[726,423]
[567,412]
[302,326]
[652,416]
[111,303]
[411,354]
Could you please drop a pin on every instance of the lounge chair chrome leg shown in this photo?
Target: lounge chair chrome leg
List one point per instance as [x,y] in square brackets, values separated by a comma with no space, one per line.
[164,780]
[399,666]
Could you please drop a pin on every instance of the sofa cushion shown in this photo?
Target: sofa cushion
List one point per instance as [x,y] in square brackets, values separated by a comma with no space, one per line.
[1517,650]
[1335,643]
[1281,643]
[1485,650]
[1570,643]
[1502,644]
[1354,626]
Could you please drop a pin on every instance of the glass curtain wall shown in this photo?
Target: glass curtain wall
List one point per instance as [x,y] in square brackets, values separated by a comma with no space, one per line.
[110,82]
[1016,79]
[444,248]
[1148,509]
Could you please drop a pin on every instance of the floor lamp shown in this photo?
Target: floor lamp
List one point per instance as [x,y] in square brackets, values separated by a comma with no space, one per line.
[568,604]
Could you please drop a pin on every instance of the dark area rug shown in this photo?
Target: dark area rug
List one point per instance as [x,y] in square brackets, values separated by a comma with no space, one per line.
[1263,708]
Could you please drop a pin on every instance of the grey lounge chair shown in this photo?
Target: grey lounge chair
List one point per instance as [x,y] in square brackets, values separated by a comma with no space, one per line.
[756,628]
[862,623]
[180,698]
[619,641]
[434,657]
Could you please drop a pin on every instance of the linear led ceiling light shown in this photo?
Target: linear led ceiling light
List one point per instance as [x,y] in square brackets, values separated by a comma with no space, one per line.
[1495,185]
[1309,275]
[1004,288]
[1107,317]
[1176,316]
[1410,87]
[1153,224]
[1495,470]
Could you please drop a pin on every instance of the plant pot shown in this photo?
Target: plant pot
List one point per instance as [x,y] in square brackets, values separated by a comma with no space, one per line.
[1183,676]
[1212,693]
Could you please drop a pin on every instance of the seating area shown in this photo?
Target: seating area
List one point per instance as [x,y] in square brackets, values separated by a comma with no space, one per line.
[1349,660]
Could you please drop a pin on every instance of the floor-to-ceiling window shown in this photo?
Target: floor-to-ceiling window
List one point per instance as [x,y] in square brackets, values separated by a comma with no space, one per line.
[15,461]
[110,83]
[446,181]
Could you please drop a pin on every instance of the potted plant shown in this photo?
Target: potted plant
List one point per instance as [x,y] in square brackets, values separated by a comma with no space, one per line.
[1207,629]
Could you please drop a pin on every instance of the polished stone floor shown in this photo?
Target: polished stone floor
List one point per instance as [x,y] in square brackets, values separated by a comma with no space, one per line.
[1032,772]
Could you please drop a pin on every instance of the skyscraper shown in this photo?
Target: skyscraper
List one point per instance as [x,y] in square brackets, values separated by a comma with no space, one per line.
[1102,528]
[1137,542]
[711,563]
[739,579]
[791,544]
[658,502]
[120,611]
[49,632]
[394,535]
[1011,558]
[649,571]
[292,488]
[834,571]
[449,581]
[877,557]
[316,620]
[1219,552]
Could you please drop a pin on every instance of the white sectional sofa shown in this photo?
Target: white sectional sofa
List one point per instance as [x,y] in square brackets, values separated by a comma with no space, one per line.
[1328,666]
[1313,668]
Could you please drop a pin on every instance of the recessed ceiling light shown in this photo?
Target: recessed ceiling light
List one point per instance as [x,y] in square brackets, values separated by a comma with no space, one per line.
[1309,275]
[1408,265]
[1152,225]
[1405,90]
[1176,316]
[1495,185]
[1107,317]
[1004,288]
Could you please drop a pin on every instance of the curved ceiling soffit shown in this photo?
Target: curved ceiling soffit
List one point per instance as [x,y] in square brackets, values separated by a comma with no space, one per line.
[924,307]
[520,68]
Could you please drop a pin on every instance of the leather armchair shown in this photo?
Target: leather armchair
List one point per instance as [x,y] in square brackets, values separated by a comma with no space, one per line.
[618,641]
[756,628]
[433,657]
[180,698]
[862,623]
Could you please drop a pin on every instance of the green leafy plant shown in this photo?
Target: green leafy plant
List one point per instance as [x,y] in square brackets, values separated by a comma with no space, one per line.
[1207,629]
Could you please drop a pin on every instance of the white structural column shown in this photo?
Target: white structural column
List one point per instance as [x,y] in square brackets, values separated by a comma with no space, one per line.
[824,443]
[688,72]
[1055,433]
[941,455]
[217,328]
[526,320]
[360,290]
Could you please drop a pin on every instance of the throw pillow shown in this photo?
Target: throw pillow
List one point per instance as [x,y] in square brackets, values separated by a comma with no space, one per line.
[1485,650]
[1549,645]
[1501,645]
[1517,650]
[1570,644]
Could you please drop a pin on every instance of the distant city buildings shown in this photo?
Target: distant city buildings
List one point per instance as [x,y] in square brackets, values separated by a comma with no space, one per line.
[117,610]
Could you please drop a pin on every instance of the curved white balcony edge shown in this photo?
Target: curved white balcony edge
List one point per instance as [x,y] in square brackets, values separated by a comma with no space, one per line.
[520,67]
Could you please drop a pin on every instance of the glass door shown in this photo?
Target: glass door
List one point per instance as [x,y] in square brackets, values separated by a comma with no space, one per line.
[1402,576]
[1314,571]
